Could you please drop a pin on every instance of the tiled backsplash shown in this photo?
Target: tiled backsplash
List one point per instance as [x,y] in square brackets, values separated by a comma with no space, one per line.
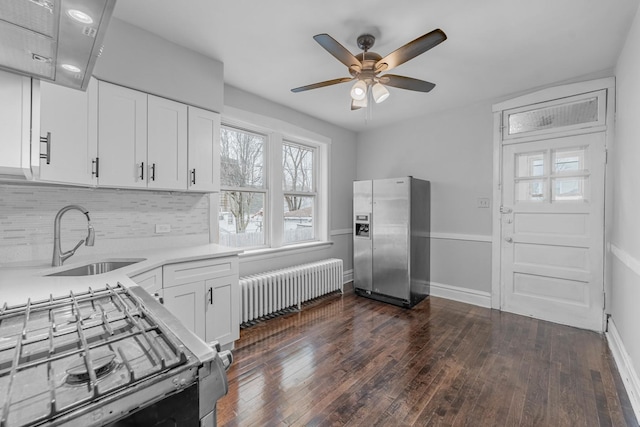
[121,219]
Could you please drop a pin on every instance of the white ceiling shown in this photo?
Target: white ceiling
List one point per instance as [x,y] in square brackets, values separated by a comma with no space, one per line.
[494,47]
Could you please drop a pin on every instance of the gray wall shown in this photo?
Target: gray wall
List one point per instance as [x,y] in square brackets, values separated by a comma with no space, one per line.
[140,60]
[625,239]
[452,149]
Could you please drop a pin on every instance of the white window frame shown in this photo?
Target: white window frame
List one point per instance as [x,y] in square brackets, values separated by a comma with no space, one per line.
[314,186]
[266,167]
[276,132]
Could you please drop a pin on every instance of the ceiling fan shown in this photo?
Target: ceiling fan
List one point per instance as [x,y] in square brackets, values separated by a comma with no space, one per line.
[366,67]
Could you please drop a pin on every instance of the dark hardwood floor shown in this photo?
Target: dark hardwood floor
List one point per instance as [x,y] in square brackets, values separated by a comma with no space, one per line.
[348,360]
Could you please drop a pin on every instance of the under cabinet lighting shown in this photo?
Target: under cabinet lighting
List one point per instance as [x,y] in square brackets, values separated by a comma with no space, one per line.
[80,16]
[71,68]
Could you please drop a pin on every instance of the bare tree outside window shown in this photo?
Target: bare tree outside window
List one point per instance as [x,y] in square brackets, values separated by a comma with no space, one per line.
[242,172]
[299,192]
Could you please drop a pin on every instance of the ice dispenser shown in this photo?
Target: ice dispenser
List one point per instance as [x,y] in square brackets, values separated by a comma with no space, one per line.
[362,226]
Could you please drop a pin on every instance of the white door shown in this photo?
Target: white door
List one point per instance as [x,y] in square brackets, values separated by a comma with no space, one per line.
[553,228]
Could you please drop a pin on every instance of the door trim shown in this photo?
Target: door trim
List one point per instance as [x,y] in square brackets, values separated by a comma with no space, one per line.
[545,95]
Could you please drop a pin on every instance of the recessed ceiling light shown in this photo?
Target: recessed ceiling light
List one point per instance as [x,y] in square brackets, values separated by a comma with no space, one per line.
[71,68]
[80,16]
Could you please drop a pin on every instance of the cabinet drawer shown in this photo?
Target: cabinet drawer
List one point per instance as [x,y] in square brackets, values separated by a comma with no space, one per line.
[187,272]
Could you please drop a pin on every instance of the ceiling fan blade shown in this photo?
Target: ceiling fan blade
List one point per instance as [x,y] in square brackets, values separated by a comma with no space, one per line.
[409,83]
[354,106]
[322,84]
[337,50]
[411,50]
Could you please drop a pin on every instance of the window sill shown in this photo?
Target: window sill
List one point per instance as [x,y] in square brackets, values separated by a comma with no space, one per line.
[267,253]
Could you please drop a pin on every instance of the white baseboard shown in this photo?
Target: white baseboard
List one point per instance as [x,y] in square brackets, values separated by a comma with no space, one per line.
[625,366]
[456,293]
[347,276]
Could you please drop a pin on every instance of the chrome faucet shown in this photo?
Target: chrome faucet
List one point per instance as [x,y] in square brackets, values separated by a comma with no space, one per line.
[58,256]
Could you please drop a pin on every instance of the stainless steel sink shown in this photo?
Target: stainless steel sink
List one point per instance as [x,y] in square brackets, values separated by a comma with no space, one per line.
[99,267]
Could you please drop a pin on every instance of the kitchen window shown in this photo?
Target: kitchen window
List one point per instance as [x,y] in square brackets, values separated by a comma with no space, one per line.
[243,192]
[299,192]
[273,186]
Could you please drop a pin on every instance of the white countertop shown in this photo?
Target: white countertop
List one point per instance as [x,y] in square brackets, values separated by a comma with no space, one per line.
[18,284]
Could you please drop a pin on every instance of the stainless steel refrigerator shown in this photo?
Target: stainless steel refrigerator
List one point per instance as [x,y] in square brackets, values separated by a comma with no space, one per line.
[391,239]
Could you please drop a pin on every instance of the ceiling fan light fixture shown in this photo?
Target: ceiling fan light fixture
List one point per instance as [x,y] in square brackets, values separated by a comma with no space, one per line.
[359,91]
[379,92]
[359,103]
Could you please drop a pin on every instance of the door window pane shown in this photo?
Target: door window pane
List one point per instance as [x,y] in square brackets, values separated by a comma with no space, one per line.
[572,113]
[241,158]
[569,160]
[241,219]
[529,165]
[297,168]
[298,218]
[529,190]
[569,189]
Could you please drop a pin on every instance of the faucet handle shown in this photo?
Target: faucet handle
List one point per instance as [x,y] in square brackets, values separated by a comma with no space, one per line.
[69,253]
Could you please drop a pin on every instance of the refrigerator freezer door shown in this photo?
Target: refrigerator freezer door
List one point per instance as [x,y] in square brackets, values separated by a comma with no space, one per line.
[390,231]
[362,249]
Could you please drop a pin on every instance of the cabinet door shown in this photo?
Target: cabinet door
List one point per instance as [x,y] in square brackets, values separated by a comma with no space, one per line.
[222,310]
[167,144]
[15,125]
[187,303]
[122,136]
[150,281]
[73,145]
[204,150]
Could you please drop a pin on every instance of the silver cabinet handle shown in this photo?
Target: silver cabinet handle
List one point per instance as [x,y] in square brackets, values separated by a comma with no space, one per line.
[508,239]
[46,140]
[153,172]
[193,176]
[210,292]
[141,166]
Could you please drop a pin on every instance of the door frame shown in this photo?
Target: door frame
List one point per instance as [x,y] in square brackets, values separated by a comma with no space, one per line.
[541,96]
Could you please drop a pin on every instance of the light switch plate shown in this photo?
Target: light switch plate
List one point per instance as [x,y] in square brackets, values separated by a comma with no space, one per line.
[163,228]
[483,202]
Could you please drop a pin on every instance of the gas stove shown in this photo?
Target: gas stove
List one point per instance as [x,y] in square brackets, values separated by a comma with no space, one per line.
[101,357]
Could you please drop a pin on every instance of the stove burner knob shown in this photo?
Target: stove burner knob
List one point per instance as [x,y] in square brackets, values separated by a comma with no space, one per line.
[216,345]
[227,358]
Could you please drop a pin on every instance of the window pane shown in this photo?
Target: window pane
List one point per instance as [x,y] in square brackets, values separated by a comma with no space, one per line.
[297,168]
[530,191]
[573,113]
[529,164]
[298,218]
[241,218]
[569,189]
[241,158]
[569,160]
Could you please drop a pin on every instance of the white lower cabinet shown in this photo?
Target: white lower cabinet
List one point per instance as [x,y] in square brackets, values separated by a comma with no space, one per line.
[150,281]
[204,295]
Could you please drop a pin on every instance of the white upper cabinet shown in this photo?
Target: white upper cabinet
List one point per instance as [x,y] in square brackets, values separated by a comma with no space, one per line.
[204,150]
[142,140]
[167,144]
[122,136]
[69,134]
[16,95]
